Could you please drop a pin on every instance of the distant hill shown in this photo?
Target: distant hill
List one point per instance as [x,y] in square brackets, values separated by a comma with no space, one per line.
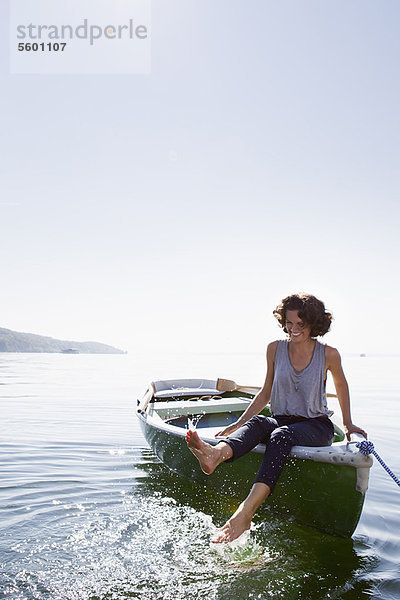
[14,341]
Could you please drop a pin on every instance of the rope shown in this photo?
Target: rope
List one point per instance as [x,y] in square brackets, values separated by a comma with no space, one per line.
[368,448]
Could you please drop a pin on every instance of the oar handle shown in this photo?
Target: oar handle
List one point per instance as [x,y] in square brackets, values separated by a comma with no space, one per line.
[228,385]
[254,388]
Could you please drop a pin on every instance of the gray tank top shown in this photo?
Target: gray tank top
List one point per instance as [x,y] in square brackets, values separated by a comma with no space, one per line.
[300,393]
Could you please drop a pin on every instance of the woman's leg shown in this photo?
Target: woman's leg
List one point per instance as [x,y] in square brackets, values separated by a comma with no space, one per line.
[240,521]
[209,456]
[306,432]
[255,431]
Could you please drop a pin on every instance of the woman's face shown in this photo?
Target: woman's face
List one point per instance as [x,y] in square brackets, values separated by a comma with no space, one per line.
[298,330]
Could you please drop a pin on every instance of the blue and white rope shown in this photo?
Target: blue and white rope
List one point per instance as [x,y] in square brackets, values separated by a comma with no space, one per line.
[368,448]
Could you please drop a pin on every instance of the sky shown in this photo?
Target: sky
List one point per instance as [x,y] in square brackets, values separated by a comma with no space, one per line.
[173,211]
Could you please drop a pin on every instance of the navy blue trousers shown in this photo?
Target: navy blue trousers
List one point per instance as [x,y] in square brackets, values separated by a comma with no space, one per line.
[280,434]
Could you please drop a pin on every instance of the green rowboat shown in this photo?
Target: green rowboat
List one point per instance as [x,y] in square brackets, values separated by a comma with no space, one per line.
[322,487]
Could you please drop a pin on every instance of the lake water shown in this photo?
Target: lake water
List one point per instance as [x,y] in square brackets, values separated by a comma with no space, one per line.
[88,513]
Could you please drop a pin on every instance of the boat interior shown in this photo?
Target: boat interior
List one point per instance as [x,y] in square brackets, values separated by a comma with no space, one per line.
[198,403]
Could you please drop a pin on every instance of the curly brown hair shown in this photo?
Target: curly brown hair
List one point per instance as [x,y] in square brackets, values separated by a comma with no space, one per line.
[310,310]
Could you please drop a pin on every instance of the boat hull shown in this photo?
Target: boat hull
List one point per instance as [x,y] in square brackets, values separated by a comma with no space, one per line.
[318,494]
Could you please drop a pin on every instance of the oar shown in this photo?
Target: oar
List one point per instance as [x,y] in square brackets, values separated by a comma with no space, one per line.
[144,402]
[227,385]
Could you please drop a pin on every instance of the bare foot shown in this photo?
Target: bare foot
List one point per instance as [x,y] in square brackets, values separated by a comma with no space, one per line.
[237,524]
[208,456]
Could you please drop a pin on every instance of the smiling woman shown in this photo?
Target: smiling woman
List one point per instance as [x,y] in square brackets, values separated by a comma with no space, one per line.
[306,310]
[295,387]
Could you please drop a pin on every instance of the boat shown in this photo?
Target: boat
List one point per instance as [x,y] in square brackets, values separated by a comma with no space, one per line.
[320,487]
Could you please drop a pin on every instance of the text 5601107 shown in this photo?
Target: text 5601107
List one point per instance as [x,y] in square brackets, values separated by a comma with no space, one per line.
[42,47]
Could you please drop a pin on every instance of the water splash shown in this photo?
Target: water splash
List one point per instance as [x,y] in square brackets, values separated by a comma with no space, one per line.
[193,422]
[144,548]
[245,550]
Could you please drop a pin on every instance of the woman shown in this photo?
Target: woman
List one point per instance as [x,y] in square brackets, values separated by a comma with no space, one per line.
[295,385]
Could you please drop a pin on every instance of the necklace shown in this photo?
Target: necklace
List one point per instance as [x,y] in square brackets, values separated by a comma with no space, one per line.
[295,375]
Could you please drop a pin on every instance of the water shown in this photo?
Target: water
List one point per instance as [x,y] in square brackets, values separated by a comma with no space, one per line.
[88,513]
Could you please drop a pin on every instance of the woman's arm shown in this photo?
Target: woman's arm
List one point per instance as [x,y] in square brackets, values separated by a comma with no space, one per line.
[262,398]
[334,365]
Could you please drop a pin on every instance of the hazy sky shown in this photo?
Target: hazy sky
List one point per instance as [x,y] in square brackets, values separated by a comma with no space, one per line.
[259,158]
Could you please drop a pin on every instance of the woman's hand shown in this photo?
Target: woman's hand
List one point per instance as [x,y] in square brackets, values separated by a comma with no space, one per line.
[230,429]
[351,428]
